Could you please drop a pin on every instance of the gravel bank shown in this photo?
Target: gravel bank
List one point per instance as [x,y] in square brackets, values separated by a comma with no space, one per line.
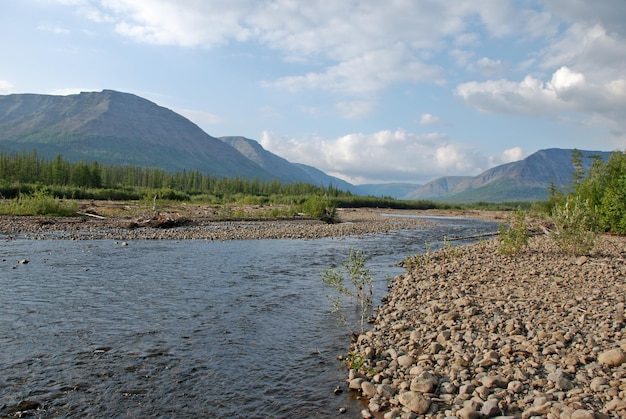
[196,226]
[469,333]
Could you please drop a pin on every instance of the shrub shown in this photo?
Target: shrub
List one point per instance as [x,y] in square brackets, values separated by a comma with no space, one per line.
[512,238]
[575,226]
[321,208]
[39,202]
[361,289]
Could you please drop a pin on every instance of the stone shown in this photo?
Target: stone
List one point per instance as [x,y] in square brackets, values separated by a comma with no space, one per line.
[615,405]
[561,380]
[582,414]
[515,387]
[467,389]
[468,413]
[598,384]
[491,381]
[447,388]
[405,360]
[368,389]
[425,383]
[415,402]
[355,384]
[386,391]
[612,357]
[490,409]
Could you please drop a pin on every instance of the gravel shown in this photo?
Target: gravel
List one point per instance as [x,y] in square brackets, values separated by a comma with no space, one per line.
[470,333]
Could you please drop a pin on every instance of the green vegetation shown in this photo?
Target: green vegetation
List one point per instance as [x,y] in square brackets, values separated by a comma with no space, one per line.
[594,203]
[39,203]
[575,226]
[25,174]
[513,236]
[361,287]
[320,207]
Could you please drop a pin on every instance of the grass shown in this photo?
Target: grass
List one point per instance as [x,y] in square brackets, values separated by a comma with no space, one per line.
[38,203]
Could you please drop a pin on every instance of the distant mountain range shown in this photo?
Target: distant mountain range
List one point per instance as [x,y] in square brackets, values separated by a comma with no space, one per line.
[524,180]
[120,128]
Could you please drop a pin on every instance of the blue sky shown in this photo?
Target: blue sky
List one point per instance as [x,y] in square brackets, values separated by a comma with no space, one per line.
[370,91]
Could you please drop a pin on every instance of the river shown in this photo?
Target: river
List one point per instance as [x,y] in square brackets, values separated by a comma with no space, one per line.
[191,328]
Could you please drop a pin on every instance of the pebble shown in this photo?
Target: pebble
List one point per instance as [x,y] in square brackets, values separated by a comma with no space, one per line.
[545,336]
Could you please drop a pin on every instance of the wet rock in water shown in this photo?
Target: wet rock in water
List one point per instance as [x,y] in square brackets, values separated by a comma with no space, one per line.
[19,409]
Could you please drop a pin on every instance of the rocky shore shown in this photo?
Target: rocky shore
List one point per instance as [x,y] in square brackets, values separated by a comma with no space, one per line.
[199,225]
[469,333]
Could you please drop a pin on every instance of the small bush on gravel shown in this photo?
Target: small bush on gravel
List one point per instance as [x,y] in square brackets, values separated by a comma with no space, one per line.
[513,237]
[321,208]
[39,202]
[361,289]
[575,226]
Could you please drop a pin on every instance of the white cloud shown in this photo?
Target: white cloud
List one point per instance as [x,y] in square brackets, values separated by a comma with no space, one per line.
[430,119]
[5,86]
[513,154]
[359,48]
[383,155]
[70,91]
[372,72]
[567,91]
[488,67]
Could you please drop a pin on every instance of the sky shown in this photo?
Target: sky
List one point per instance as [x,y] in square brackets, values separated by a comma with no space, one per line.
[369,91]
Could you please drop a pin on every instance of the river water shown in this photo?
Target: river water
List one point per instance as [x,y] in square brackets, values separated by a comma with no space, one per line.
[185,328]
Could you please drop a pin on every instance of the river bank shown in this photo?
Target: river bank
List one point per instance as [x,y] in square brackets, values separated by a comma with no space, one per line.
[119,221]
[470,333]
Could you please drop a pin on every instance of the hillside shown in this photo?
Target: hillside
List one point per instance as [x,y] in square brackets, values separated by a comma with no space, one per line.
[524,180]
[116,128]
[282,169]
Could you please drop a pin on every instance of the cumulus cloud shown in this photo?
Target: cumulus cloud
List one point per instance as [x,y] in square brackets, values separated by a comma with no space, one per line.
[513,154]
[5,86]
[384,155]
[359,48]
[601,104]
[489,67]
[430,119]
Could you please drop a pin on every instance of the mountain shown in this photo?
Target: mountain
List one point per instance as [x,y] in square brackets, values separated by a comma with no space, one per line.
[524,180]
[116,128]
[282,169]
[394,190]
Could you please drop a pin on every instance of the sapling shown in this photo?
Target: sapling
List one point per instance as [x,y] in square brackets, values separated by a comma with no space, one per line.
[361,287]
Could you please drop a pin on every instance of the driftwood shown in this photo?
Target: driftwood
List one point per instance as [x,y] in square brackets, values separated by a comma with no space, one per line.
[99,217]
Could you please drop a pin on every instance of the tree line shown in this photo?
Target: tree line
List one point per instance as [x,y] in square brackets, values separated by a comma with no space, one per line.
[19,171]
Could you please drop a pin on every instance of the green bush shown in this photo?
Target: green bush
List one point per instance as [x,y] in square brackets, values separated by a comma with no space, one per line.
[361,288]
[513,237]
[38,203]
[321,208]
[575,226]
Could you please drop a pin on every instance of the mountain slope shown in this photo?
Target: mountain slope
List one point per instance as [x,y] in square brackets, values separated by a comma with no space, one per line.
[116,128]
[524,180]
[394,190]
[282,169]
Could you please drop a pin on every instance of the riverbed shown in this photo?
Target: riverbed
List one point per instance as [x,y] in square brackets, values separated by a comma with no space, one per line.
[186,328]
